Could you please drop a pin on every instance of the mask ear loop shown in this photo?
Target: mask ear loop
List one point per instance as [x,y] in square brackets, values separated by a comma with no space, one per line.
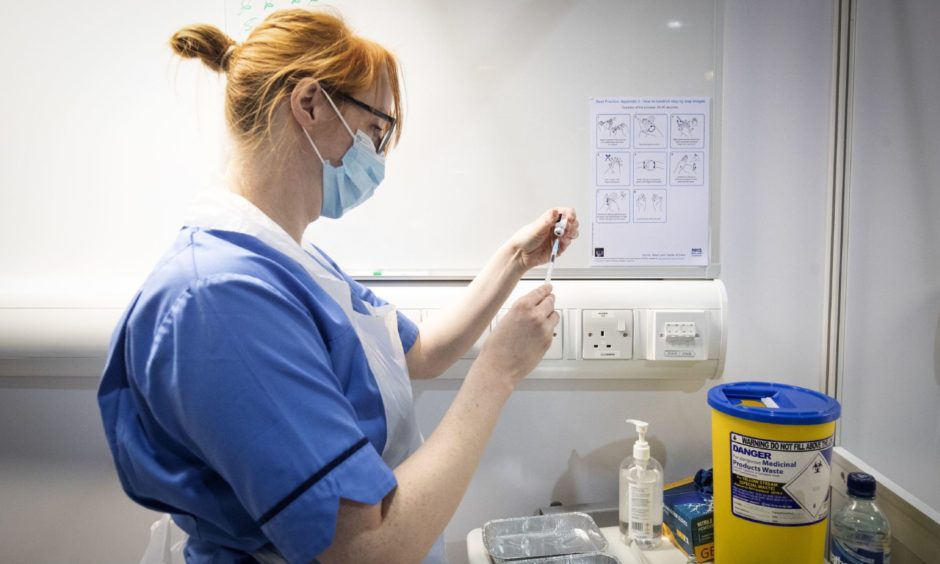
[335,109]
[339,115]
[314,145]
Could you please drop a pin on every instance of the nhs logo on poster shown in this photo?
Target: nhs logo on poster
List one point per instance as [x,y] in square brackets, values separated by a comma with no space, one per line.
[696,251]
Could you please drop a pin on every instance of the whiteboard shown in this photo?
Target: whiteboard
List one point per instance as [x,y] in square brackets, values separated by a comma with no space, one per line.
[108,136]
[497,121]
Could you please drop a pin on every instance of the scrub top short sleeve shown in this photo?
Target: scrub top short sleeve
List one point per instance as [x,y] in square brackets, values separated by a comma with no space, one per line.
[246,383]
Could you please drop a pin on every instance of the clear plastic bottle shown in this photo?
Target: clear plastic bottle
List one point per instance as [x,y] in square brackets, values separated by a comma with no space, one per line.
[641,494]
[859,532]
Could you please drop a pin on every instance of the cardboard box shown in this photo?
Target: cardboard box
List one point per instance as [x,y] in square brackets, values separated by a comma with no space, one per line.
[688,518]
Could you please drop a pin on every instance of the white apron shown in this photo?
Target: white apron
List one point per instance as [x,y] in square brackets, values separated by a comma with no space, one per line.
[377,331]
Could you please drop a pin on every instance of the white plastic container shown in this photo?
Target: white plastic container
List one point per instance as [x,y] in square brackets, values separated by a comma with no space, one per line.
[641,494]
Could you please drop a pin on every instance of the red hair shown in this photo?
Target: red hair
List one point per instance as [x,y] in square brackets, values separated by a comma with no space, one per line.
[288,46]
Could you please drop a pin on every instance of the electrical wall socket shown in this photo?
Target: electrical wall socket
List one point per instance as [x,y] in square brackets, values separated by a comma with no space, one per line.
[607,334]
[557,350]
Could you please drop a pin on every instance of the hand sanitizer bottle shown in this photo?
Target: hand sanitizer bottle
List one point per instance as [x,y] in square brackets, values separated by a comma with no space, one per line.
[641,494]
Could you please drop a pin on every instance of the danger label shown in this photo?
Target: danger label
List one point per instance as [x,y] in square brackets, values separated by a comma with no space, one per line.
[780,482]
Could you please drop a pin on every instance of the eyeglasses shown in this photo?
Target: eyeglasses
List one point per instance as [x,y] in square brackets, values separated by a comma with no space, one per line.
[381,142]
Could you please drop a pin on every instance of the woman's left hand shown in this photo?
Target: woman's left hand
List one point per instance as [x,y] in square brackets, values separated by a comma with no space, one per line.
[534,241]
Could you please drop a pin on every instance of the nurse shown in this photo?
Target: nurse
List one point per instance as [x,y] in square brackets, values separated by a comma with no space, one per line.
[256,392]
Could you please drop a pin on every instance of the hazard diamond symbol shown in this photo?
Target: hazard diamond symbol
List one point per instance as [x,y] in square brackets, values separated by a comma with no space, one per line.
[810,488]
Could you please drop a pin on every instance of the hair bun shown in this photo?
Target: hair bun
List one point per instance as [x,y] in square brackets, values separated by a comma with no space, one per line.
[205,42]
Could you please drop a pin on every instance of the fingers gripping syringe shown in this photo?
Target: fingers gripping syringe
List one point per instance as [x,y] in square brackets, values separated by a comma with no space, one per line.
[559,231]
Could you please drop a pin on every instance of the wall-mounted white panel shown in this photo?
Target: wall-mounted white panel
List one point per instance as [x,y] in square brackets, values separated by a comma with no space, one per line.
[890,386]
[602,303]
[73,341]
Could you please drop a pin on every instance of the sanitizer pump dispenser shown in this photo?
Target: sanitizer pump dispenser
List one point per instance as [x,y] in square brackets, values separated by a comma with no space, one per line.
[641,494]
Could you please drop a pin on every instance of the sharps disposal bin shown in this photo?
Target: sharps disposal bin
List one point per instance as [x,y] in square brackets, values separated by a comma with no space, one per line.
[771,450]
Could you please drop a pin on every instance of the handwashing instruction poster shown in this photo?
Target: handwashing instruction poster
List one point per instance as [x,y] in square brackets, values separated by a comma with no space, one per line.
[649,181]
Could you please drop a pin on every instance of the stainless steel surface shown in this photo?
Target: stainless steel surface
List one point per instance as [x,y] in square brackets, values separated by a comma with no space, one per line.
[542,536]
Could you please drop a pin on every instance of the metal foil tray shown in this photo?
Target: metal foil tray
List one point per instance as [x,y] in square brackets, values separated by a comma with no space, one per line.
[543,536]
[595,558]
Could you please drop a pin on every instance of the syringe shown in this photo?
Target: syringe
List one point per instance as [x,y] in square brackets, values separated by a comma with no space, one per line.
[559,231]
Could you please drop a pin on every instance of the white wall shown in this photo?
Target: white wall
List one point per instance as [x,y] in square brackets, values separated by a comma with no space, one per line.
[60,500]
[556,440]
[891,377]
[99,146]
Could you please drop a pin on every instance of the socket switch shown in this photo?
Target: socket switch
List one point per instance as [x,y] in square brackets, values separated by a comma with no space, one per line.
[607,334]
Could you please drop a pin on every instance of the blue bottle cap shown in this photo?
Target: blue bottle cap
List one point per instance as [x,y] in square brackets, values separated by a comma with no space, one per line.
[861,485]
[769,402]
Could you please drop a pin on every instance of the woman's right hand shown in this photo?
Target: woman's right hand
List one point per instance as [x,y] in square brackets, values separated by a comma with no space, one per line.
[522,336]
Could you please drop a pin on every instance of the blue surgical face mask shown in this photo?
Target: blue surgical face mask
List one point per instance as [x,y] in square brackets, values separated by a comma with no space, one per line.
[355,180]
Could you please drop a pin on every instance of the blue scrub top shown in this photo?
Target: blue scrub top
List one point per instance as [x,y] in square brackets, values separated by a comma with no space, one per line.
[237,397]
